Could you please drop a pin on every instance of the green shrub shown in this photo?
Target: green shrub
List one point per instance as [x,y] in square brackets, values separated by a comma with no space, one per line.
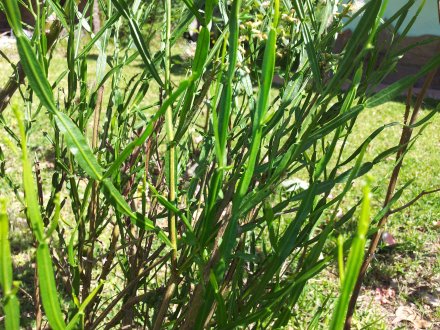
[208,200]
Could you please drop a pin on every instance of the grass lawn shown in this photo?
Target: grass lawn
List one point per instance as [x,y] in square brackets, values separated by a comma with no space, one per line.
[404,277]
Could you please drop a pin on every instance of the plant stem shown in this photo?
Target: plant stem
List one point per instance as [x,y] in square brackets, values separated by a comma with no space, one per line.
[170,134]
[171,287]
[94,203]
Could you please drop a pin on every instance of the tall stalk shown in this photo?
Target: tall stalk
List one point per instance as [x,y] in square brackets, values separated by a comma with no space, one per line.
[171,169]
[169,126]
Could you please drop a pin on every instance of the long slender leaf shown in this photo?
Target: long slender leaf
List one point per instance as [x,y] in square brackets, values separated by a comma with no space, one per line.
[11,306]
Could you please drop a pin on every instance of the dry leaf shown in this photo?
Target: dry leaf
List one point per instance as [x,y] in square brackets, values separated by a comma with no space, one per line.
[406,313]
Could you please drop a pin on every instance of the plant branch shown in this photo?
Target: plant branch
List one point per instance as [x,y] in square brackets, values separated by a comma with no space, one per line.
[423,193]
[129,286]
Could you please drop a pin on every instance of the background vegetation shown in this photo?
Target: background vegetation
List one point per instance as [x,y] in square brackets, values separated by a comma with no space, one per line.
[156,183]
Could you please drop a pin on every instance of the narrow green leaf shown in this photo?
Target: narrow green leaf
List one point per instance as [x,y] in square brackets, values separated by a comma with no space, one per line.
[10,303]
[354,263]
[312,55]
[123,8]
[136,218]
[48,289]
[78,146]
[73,322]
[148,129]
[395,89]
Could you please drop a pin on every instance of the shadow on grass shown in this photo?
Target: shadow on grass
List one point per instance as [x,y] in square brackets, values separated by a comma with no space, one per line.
[428,104]
[179,65]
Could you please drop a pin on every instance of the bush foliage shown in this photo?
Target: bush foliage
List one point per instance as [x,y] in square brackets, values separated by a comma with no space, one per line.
[206,199]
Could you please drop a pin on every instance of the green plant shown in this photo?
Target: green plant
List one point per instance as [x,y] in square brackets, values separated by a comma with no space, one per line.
[46,279]
[349,273]
[208,200]
[10,303]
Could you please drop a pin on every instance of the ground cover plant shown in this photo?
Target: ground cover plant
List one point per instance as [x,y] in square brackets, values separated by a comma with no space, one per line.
[199,197]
